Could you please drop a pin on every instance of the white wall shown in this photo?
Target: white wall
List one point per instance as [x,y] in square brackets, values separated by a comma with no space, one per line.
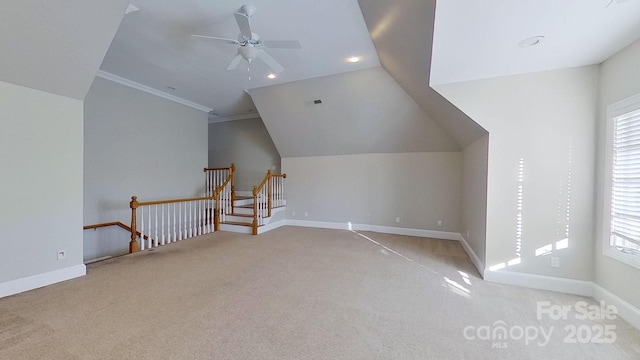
[474,197]
[374,189]
[547,122]
[137,144]
[247,144]
[619,79]
[41,188]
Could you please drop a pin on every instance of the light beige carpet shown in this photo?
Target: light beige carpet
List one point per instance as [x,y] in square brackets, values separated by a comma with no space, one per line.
[292,293]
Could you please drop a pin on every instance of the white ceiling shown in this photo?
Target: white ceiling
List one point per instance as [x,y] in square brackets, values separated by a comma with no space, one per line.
[479,39]
[154,47]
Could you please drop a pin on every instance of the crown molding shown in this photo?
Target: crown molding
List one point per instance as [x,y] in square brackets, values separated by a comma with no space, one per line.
[132,84]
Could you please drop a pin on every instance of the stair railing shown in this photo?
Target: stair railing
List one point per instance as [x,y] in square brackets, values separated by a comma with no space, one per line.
[223,197]
[276,187]
[266,196]
[167,221]
[215,177]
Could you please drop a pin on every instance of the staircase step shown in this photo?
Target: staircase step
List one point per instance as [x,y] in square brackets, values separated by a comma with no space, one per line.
[241,215]
[236,223]
[238,197]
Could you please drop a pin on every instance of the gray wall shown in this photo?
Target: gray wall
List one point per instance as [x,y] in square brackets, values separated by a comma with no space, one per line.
[474,197]
[374,189]
[544,122]
[41,187]
[362,112]
[619,79]
[247,144]
[136,144]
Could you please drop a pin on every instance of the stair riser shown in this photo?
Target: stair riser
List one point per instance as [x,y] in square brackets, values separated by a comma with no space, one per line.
[236,228]
[243,202]
[248,211]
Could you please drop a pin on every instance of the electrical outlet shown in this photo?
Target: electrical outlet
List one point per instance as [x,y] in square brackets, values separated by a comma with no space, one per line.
[439,222]
[555,262]
[397,219]
[306,214]
[61,255]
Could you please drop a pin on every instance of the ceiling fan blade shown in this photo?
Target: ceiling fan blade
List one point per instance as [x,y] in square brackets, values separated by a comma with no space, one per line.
[230,41]
[273,64]
[234,63]
[244,25]
[282,44]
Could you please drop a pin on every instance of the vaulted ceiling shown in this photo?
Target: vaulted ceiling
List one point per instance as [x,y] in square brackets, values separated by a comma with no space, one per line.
[58,46]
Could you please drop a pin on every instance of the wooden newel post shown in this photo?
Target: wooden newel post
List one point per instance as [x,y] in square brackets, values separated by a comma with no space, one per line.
[133,244]
[216,211]
[269,195]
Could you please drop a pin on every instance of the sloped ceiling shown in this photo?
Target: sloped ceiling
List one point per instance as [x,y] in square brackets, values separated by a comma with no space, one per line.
[154,47]
[56,45]
[481,39]
[402,32]
[363,111]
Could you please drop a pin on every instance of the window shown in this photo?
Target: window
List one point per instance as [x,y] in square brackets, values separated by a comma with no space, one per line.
[622,210]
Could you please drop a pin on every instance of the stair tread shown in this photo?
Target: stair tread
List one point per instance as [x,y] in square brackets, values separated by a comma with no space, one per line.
[241,215]
[236,223]
[245,206]
[243,197]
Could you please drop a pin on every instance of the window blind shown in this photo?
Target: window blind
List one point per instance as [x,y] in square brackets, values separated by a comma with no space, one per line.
[625,189]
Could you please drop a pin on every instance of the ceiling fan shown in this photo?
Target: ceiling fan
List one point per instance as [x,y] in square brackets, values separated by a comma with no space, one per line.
[251,46]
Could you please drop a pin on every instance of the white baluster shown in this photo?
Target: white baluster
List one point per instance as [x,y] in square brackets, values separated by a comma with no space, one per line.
[162,224]
[149,223]
[190,221]
[142,228]
[179,221]
[155,226]
[199,204]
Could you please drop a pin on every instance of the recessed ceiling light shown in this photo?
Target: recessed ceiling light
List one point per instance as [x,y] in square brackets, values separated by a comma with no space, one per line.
[532,41]
[353,59]
[271,76]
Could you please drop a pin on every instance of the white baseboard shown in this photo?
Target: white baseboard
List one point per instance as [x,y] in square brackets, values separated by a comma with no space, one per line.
[444,235]
[541,282]
[475,259]
[40,280]
[271,226]
[626,311]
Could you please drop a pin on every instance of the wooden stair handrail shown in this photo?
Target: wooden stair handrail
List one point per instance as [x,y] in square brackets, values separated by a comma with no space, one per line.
[232,170]
[115,223]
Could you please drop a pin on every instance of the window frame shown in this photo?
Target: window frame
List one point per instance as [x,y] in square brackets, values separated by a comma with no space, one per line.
[615,110]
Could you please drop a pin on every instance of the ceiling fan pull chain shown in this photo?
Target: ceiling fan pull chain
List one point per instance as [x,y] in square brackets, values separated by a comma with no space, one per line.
[249,70]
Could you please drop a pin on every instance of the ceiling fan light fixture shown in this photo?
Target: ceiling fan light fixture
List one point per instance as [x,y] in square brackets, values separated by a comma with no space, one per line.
[248,52]
[532,41]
